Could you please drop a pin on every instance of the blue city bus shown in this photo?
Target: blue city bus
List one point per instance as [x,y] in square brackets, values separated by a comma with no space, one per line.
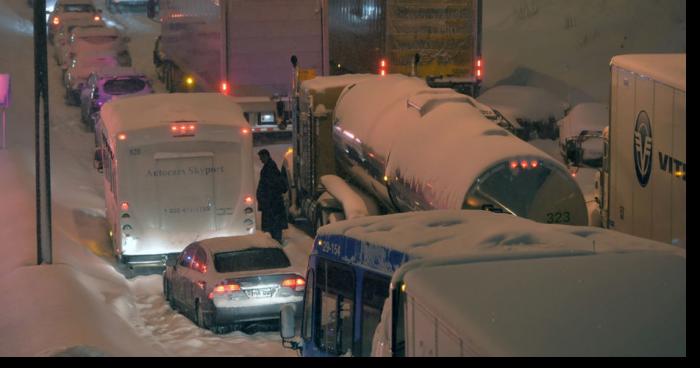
[347,284]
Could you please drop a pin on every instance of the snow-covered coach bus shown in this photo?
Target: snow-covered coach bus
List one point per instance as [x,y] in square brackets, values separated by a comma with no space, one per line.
[474,283]
[177,168]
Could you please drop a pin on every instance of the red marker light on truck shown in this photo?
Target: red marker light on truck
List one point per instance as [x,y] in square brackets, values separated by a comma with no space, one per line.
[121,136]
[383,67]
[479,69]
[224,88]
[183,129]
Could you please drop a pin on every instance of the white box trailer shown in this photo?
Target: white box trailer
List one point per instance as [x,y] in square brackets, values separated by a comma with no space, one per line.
[644,173]
[177,168]
[596,304]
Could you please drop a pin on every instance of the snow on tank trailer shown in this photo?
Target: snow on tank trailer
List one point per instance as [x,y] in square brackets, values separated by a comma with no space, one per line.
[419,148]
[177,168]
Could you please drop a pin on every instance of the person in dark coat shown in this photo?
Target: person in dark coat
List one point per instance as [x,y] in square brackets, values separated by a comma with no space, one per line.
[271,187]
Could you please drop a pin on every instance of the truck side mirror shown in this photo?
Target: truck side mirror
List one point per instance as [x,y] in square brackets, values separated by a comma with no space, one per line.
[287,327]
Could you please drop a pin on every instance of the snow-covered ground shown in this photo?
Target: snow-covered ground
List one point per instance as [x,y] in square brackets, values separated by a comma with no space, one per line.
[82,304]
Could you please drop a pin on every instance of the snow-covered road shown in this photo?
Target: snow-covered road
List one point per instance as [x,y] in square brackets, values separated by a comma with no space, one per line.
[82,304]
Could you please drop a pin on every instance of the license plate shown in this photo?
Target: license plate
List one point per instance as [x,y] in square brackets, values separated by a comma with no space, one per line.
[260,293]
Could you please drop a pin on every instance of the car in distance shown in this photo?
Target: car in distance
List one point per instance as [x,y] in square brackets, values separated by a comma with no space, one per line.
[69,11]
[108,83]
[231,281]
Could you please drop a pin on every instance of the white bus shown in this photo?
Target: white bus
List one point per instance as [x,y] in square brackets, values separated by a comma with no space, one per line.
[177,168]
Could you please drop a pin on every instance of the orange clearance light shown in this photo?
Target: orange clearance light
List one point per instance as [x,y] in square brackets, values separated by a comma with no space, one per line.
[56,21]
[514,164]
[534,164]
[189,81]
[124,206]
[184,129]
[96,18]
[524,164]
[245,131]
[249,200]
[121,136]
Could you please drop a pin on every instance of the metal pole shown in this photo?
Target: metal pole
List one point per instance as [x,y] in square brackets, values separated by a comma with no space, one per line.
[41,134]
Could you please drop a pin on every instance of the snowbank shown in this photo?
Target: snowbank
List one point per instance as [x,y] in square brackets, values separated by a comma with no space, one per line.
[523,103]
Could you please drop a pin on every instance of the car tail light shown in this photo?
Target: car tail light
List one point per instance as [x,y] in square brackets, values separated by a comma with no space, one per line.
[298,283]
[224,288]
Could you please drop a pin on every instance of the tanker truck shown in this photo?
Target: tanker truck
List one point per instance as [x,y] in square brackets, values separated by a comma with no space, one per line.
[370,144]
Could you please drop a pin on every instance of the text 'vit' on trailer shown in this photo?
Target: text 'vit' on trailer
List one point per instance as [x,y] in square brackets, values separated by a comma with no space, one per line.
[177,168]
[644,164]
[400,145]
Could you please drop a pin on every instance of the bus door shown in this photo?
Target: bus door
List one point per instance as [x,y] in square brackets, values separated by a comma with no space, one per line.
[185,191]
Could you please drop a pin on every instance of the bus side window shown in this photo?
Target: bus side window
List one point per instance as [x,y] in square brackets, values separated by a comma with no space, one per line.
[335,290]
[308,304]
[375,290]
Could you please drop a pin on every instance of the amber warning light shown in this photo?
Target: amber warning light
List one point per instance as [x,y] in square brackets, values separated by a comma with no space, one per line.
[183,129]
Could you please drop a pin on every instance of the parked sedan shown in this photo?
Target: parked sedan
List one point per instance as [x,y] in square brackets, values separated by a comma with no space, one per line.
[229,281]
[106,84]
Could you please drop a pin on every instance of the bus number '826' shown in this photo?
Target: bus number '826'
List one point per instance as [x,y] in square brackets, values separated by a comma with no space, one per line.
[558,217]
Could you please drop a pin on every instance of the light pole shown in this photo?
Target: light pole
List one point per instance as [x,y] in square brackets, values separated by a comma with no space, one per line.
[41,134]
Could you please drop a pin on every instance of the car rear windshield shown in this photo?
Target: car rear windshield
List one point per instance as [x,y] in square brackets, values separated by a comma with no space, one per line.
[250,260]
[78,8]
[124,86]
